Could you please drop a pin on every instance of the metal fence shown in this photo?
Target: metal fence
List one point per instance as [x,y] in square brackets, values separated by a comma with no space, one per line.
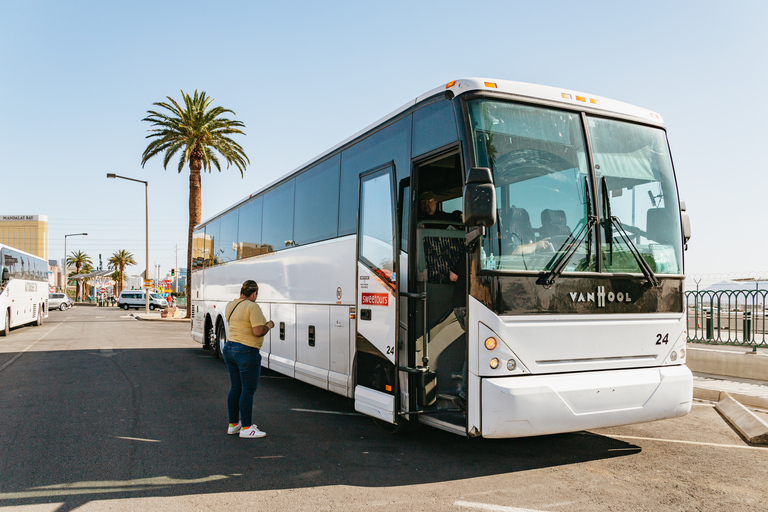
[728,317]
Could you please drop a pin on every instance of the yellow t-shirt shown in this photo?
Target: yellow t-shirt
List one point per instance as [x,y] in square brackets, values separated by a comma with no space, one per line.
[242,320]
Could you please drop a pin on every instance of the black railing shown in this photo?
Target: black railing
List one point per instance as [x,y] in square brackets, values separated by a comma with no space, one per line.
[728,317]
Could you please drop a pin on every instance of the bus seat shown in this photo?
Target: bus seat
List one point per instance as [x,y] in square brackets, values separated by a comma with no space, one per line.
[554,226]
[658,224]
[518,226]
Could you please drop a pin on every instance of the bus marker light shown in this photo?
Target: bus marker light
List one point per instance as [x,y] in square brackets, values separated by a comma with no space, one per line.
[491,343]
[490,84]
[581,98]
[388,387]
[494,363]
[594,101]
[511,364]
[450,84]
[566,96]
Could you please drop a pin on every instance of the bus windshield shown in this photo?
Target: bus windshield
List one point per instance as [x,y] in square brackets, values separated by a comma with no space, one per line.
[538,157]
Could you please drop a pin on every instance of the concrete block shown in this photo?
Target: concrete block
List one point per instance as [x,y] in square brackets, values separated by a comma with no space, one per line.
[752,429]
[711,395]
[728,363]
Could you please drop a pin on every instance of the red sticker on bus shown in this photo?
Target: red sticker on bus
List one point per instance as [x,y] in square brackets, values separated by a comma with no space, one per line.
[375,299]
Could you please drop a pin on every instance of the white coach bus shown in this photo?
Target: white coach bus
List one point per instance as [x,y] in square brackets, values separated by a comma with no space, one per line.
[494,259]
[23,288]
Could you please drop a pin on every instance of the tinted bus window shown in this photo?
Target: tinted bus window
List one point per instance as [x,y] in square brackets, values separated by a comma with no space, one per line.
[249,230]
[212,232]
[434,126]
[277,226]
[227,242]
[317,202]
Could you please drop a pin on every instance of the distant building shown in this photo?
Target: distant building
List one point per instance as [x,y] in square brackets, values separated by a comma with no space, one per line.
[28,233]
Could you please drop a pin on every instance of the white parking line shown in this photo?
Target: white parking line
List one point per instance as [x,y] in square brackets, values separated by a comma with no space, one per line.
[716,445]
[495,508]
[329,412]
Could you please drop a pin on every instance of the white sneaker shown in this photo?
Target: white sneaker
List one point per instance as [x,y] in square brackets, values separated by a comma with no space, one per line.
[252,432]
[233,428]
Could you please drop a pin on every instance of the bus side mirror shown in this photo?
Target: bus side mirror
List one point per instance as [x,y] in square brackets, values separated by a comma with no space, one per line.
[6,275]
[479,198]
[686,224]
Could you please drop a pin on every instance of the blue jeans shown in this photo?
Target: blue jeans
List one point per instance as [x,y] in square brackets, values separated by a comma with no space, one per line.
[244,365]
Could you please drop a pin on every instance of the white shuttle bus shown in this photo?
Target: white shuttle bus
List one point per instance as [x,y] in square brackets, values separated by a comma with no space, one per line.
[494,259]
[23,288]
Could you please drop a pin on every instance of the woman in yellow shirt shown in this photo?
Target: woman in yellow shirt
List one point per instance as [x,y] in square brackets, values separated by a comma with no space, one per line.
[247,329]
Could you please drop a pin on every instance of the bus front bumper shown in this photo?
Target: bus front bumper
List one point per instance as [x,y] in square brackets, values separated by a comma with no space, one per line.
[549,404]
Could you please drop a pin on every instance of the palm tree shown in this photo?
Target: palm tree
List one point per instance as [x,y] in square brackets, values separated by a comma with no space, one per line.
[87,269]
[199,134]
[78,259]
[118,261]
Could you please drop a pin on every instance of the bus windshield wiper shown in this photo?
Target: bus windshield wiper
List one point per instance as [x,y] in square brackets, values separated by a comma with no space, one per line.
[572,243]
[611,222]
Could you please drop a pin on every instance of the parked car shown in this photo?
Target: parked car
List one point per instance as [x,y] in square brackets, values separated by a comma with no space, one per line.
[58,301]
[135,299]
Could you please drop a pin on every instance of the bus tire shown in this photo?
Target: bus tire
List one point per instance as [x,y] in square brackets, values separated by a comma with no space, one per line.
[6,324]
[403,426]
[220,340]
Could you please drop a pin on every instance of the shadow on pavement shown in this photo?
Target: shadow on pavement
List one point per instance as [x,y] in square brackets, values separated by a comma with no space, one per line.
[84,425]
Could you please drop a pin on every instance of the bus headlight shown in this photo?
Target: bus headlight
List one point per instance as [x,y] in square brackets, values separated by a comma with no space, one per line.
[491,344]
[682,353]
[511,364]
[673,356]
[494,363]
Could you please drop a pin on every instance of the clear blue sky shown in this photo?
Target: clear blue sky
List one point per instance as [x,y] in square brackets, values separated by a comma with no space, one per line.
[77,77]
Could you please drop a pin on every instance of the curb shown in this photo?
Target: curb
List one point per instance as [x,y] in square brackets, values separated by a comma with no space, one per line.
[713,395]
[752,429]
[160,319]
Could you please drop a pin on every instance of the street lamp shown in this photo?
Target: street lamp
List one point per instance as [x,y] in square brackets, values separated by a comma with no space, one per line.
[146,212]
[66,272]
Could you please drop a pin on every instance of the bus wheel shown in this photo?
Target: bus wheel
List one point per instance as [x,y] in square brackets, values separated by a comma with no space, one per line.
[220,340]
[210,338]
[6,325]
[403,425]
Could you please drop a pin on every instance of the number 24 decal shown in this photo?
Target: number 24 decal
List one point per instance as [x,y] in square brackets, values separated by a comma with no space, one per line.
[662,338]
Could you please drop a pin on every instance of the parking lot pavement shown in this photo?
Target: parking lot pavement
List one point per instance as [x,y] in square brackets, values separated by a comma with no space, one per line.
[103,412]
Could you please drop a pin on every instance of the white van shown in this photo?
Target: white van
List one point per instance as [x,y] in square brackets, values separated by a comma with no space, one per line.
[135,299]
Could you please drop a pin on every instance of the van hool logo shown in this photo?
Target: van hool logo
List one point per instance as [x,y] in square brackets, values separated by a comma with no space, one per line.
[600,297]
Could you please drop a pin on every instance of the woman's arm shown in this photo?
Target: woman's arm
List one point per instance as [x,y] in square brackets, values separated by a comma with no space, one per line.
[261,330]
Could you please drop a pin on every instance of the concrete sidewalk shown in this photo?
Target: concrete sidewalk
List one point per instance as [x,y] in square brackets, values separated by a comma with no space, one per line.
[736,379]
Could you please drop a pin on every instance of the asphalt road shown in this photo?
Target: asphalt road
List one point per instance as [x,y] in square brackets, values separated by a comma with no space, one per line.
[99,411]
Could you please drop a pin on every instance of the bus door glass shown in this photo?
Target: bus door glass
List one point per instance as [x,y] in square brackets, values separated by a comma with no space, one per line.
[376,341]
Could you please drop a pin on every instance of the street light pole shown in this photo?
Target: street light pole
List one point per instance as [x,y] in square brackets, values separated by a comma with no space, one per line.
[146,227]
[66,272]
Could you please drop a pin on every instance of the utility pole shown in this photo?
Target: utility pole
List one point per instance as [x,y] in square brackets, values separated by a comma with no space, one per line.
[176,273]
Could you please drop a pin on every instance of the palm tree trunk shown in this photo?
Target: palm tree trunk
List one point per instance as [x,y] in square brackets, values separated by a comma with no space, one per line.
[195,207]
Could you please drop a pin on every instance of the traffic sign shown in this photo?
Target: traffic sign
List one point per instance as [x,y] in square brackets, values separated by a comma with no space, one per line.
[102,290]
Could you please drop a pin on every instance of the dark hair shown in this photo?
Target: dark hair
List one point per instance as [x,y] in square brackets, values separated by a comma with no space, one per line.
[248,288]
